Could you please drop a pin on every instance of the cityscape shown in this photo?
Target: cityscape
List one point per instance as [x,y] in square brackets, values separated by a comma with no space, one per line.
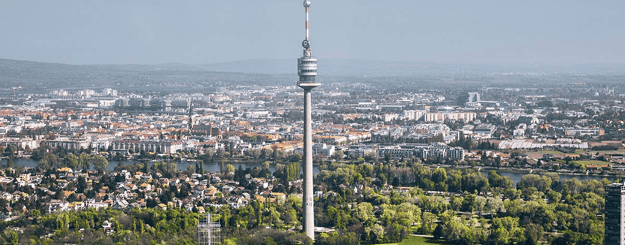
[247,152]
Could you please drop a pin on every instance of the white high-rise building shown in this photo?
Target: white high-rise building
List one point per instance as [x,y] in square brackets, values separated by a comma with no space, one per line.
[109,92]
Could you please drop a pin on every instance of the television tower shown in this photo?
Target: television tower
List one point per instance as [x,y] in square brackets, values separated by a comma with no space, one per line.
[307,70]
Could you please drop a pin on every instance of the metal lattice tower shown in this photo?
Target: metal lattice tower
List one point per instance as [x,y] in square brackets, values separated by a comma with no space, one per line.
[208,230]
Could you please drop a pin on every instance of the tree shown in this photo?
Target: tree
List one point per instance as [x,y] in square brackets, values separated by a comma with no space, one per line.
[408,214]
[201,164]
[295,158]
[494,205]
[71,161]
[480,204]
[10,151]
[48,161]
[469,203]
[82,185]
[254,153]
[533,233]
[338,155]
[230,169]
[292,171]
[494,179]
[266,153]
[338,217]
[395,182]
[100,163]
[363,212]
[191,169]
[13,238]
[455,181]
[503,229]
[456,231]
[428,223]
[10,162]
[377,230]
[371,156]
[439,177]
[85,161]
[388,157]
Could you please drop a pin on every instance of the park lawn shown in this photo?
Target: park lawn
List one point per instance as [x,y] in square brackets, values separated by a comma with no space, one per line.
[549,152]
[586,162]
[539,154]
[414,229]
[418,240]
[584,151]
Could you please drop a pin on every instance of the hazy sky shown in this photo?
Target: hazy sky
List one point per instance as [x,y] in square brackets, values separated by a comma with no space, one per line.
[209,31]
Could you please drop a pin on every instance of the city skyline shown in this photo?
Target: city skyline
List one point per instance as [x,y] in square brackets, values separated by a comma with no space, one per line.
[446,122]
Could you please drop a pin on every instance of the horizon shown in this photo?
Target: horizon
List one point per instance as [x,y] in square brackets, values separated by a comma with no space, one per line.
[538,64]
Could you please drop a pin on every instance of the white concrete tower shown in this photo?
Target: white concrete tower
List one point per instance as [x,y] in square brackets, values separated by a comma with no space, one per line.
[307,70]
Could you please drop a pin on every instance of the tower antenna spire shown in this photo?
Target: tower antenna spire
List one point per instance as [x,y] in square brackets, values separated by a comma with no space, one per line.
[306,42]
[306,5]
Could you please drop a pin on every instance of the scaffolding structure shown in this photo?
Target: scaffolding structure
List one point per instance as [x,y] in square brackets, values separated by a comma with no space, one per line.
[208,230]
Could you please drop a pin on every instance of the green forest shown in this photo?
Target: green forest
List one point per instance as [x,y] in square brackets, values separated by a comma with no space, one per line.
[364,203]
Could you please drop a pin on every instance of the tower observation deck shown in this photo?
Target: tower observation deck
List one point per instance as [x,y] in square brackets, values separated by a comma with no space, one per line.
[307,64]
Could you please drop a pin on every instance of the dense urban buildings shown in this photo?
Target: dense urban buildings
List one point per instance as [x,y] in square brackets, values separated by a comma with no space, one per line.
[186,123]
[397,144]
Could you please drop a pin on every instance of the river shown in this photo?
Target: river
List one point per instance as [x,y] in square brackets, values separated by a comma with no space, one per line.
[182,165]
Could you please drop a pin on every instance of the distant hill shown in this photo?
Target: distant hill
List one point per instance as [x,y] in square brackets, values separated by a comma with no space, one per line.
[40,76]
[376,68]
[332,67]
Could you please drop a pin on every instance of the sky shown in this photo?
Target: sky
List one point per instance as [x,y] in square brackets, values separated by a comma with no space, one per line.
[213,31]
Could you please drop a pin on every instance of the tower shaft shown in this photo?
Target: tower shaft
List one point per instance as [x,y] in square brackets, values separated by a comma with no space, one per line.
[309,208]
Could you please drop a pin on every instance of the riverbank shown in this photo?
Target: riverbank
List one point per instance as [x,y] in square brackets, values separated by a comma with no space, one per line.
[213,166]
[517,174]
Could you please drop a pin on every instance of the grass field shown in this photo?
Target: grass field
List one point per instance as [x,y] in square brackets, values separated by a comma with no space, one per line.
[549,152]
[587,162]
[539,154]
[418,240]
[584,151]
